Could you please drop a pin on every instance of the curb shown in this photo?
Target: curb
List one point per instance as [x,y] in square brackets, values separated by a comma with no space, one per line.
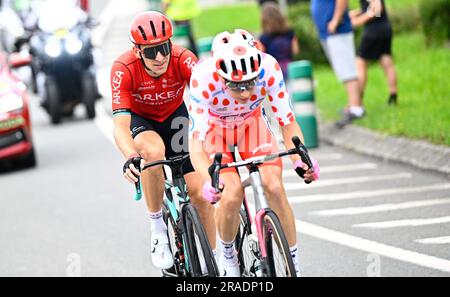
[420,154]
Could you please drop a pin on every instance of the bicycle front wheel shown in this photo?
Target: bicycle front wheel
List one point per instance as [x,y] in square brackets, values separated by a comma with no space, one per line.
[279,261]
[244,248]
[200,259]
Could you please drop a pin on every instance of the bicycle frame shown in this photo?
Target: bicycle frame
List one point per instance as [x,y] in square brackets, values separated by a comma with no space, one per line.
[261,204]
[254,180]
[173,188]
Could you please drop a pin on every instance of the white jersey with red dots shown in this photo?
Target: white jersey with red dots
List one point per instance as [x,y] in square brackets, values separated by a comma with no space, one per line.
[211,105]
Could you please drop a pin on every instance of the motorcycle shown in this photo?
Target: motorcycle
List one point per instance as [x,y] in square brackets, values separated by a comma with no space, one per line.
[63,60]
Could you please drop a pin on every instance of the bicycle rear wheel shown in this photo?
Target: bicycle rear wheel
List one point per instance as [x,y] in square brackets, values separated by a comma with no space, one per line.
[200,259]
[279,261]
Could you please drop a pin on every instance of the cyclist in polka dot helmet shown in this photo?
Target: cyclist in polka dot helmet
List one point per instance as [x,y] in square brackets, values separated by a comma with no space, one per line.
[226,111]
[237,56]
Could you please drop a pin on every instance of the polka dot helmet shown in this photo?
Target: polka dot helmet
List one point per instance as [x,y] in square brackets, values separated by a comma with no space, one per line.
[237,56]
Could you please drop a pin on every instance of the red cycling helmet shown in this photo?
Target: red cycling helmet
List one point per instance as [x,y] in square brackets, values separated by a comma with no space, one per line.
[150,28]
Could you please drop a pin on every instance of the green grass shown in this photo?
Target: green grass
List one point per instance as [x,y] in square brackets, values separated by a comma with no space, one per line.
[424,109]
[227,18]
[424,93]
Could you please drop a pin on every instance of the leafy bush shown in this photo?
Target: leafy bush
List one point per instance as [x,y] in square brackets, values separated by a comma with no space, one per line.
[435,16]
[303,25]
[405,19]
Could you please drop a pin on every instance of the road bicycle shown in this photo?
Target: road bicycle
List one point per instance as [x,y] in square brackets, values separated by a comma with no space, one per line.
[261,243]
[189,243]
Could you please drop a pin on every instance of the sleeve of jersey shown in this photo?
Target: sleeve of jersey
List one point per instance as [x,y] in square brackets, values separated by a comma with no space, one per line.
[278,95]
[198,112]
[187,62]
[121,87]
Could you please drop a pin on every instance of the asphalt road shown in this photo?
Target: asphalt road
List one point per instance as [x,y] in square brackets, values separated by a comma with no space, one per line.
[74,215]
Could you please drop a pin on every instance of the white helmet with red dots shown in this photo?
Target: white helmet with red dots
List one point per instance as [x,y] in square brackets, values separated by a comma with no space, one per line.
[237,56]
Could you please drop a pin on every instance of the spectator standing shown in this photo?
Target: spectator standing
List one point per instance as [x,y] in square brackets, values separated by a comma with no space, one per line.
[278,39]
[182,12]
[376,44]
[336,34]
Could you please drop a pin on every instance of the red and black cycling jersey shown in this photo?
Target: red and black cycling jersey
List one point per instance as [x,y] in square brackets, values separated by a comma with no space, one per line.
[133,90]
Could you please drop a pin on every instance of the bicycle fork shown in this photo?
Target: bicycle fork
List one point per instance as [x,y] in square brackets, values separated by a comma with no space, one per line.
[261,205]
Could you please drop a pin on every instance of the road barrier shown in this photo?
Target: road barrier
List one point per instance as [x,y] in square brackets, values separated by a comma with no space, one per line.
[301,85]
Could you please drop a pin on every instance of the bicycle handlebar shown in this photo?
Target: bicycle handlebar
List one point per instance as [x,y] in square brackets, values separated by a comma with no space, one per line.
[172,163]
[300,149]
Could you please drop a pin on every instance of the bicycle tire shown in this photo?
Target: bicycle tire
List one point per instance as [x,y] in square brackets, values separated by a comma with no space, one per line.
[176,270]
[242,245]
[273,233]
[197,244]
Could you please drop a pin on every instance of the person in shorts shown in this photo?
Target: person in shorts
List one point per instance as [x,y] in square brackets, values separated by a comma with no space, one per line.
[376,43]
[336,36]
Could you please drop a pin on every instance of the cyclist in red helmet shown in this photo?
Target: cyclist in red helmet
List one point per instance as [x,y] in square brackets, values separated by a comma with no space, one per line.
[151,120]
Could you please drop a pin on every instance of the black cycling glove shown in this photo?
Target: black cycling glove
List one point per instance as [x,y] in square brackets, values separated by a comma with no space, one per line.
[135,160]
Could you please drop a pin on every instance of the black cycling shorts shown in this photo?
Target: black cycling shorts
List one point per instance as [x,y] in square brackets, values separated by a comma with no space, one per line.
[174,132]
[374,48]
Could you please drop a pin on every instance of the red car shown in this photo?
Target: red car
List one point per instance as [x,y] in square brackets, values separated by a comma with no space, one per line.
[15,125]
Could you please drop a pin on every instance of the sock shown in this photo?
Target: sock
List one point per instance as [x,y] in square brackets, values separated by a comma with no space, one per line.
[295,258]
[157,224]
[229,252]
[357,110]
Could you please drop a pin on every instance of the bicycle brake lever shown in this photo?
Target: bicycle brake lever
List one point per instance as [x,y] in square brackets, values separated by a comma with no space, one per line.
[214,172]
[303,153]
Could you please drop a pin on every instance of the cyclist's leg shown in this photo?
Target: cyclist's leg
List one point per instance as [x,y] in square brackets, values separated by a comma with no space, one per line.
[260,141]
[151,147]
[257,140]
[204,208]
[227,212]
[176,135]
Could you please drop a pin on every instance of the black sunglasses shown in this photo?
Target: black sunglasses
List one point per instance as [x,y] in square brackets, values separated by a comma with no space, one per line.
[152,52]
[241,86]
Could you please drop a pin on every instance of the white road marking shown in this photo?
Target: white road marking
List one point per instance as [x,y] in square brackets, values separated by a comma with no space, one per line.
[381,207]
[290,186]
[404,223]
[366,194]
[435,240]
[369,246]
[325,156]
[336,169]
[373,247]
[104,122]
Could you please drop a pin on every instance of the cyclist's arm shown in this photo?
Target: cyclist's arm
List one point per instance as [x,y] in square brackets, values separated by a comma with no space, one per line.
[198,126]
[289,131]
[121,86]
[187,63]
[200,159]
[122,135]
[281,106]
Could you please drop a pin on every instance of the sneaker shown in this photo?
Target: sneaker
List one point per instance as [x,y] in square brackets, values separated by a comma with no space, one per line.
[392,99]
[347,118]
[229,268]
[161,255]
